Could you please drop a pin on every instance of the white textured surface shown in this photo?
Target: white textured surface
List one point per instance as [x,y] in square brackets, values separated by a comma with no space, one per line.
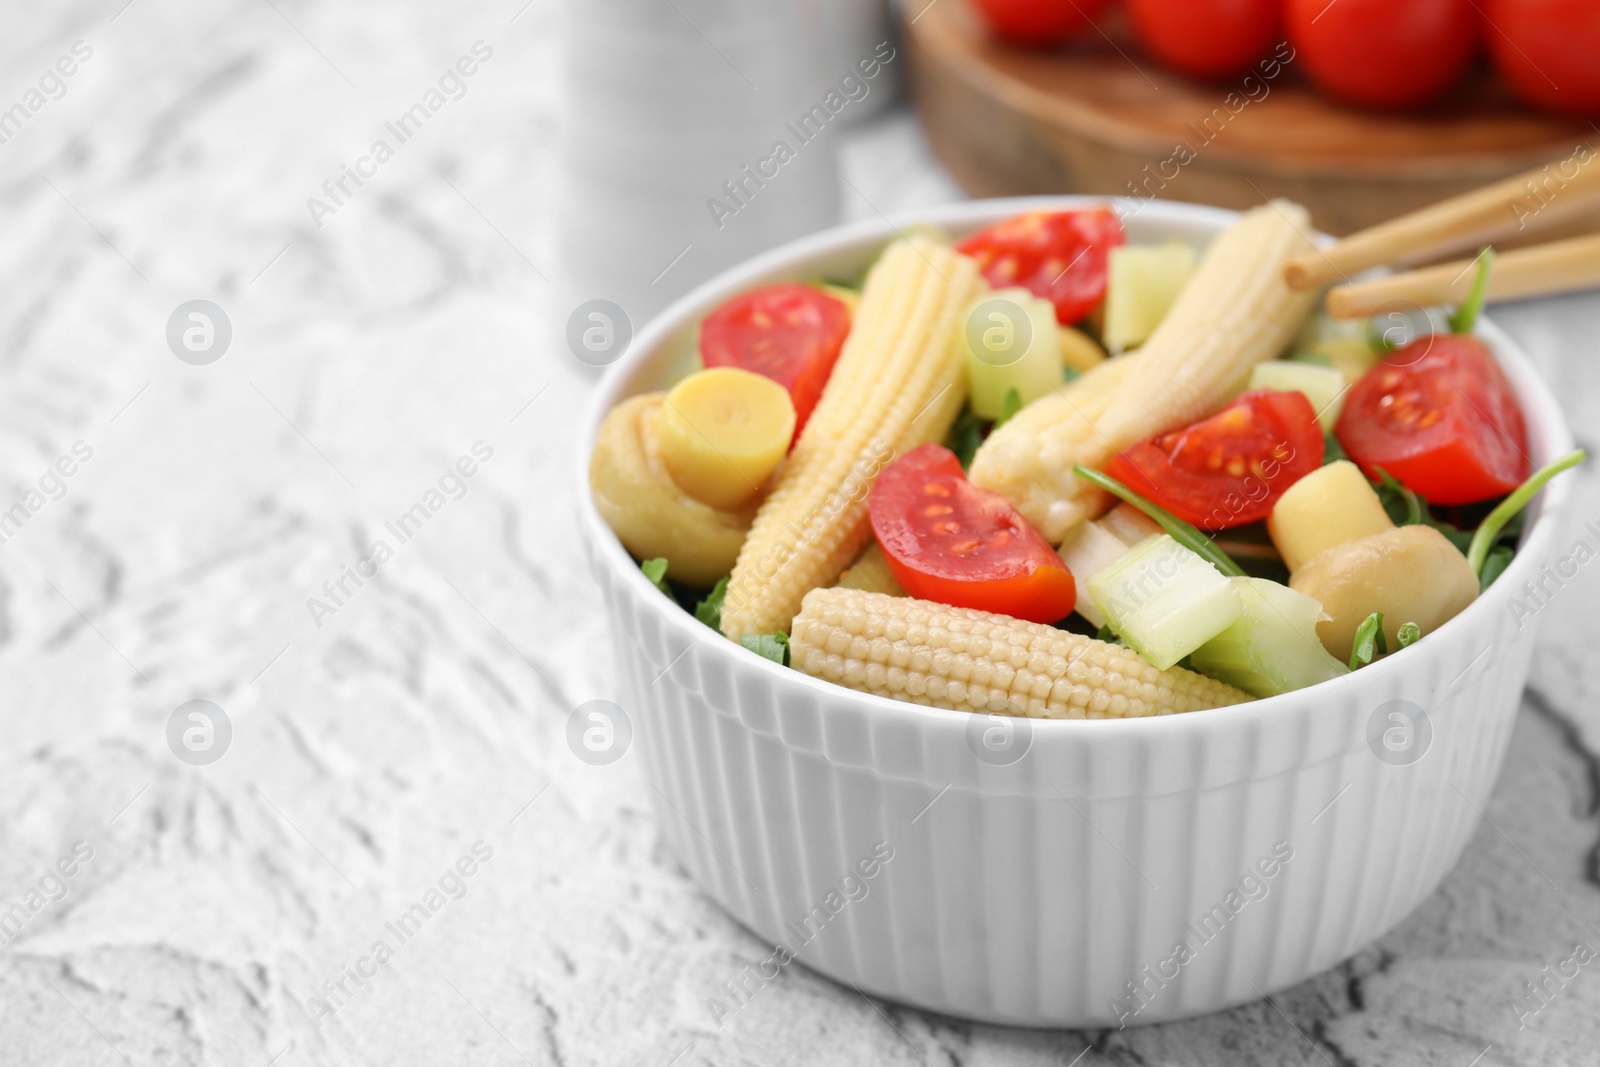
[424,715]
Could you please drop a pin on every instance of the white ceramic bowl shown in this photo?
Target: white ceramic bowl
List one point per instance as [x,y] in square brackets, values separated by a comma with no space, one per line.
[1056,890]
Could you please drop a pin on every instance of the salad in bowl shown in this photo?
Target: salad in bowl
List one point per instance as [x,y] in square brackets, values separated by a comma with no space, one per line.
[1045,472]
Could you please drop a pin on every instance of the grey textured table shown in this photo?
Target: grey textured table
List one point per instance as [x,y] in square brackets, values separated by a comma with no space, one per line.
[413,725]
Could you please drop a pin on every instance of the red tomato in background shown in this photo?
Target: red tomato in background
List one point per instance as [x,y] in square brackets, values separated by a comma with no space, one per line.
[1439,416]
[1548,51]
[1061,256]
[947,540]
[1230,469]
[1383,53]
[1207,38]
[790,333]
[1038,22]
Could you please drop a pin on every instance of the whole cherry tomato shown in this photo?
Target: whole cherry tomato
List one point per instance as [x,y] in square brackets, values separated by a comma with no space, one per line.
[1207,38]
[1549,51]
[1038,22]
[1383,53]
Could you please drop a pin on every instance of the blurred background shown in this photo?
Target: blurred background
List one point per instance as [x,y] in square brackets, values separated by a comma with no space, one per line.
[1360,109]
[395,226]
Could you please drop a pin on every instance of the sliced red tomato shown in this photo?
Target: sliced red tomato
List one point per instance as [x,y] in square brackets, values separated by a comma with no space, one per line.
[1439,416]
[1230,469]
[790,333]
[1059,255]
[950,541]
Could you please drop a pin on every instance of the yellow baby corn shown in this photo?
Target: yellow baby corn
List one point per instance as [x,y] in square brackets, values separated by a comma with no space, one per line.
[898,383]
[870,572]
[1233,313]
[966,660]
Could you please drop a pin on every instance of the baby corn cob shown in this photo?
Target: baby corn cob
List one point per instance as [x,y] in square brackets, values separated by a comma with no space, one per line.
[1233,313]
[966,660]
[870,572]
[898,383]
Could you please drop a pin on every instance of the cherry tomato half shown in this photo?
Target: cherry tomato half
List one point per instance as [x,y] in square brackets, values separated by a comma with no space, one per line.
[950,541]
[1058,255]
[1547,50]
[1383,53]
[1230,469]
[1038,22]
[1207,38]
[1439,416]
[790,333]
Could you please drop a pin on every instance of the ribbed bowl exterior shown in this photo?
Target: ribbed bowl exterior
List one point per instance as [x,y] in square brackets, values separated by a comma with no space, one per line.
[1269,841]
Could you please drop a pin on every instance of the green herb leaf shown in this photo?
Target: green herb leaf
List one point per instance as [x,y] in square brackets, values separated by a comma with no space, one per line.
[1183,533]
[773,646]
[1370,641]
[965,435]
[1108,635]
[1069,372]
[1494,565]
[1462,539]
[1407,635]
[1008,407]
[656,571]
[1405,507]
[709,610]
[1332,450]
[1489,530]
[1466,316]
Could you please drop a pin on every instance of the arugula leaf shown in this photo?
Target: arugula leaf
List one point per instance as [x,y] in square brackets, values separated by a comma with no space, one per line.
[1180,531]
[1408,634]
[1462,539]
[773,646]
[965,435]
[1489,531]
[1494,565]
[1332,450]
[656,571]
[1370,641]
[1405,507]
[709,610]
[1008,407]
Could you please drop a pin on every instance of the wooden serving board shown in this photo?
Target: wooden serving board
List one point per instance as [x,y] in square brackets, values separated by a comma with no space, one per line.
[1092,116]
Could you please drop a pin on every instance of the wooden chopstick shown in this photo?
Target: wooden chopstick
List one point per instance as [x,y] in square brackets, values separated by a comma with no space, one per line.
[1558,267]
[1520,204]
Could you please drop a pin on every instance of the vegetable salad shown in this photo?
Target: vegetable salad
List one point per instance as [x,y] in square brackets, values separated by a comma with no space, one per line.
[1044,472]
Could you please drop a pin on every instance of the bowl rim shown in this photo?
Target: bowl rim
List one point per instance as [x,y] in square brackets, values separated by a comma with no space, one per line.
[1548,434]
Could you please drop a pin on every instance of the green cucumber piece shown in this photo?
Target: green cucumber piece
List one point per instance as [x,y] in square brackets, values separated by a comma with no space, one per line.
[1090,548]
[1323,386]
[1142,282]
[1164,600]
[1273,646]
[1010,342]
